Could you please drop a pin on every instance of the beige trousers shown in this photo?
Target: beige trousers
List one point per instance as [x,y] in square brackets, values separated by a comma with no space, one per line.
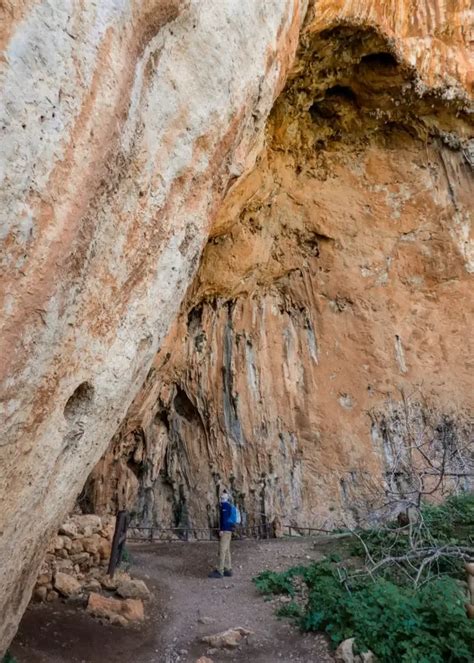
[224,562]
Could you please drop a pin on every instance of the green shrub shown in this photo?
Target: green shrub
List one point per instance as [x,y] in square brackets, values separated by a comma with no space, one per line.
[126,560]
[291,610]
[269,582]
[8,658]
[446,522]
[450,523]
[396,623]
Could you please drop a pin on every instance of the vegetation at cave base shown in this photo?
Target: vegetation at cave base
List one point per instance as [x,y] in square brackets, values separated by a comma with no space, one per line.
[386,613]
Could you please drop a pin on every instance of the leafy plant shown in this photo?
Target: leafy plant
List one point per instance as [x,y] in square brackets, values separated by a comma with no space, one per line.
[8,658]
[396,623]
[445,521]
[291,610]
[270,582]
[126,559]
[443,535]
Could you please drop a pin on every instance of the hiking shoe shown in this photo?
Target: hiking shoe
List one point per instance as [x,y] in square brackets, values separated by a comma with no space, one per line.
[215,574]
[228,573]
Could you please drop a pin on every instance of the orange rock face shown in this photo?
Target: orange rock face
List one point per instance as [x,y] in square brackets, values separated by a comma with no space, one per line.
[330,315]
[335,275]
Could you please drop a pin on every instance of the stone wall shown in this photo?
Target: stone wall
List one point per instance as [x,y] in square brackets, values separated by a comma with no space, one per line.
[75,570]
[76,559]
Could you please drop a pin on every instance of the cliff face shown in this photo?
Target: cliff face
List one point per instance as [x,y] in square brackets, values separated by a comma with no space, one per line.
[335,272]
[122,124]
[330,315]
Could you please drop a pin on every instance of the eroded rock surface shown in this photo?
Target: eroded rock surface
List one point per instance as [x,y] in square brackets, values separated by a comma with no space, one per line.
[331,312]
[336,272]
[121,127]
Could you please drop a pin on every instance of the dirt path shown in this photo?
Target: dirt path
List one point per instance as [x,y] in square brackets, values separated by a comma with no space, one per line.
[176,574]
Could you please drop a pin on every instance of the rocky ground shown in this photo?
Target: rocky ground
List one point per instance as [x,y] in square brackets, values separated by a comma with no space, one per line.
[185,607]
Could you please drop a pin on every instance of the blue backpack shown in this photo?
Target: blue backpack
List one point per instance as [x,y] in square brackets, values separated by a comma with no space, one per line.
[234,518]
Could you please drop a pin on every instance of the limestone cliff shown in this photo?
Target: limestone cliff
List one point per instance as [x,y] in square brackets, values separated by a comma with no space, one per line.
[331,312]
[122,124]
[336,270]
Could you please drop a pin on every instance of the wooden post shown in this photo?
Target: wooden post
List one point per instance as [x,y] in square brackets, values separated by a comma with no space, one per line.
[469,566]
[118,542]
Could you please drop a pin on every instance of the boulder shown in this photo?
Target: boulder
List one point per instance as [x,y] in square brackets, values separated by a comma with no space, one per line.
[227,639]
[469,566]
[69,529]
[40,594]
[44,578]
[66,585]
[108,528]
[115,610]
[67,543]
[132,610]
[106,608]
[345,653]
[64,565]
[133,589]
[76,547]
[105,548]
[112,583]
[103,606]
[92,585]
[81,558]
[91,544]
[89,524]
[57,543]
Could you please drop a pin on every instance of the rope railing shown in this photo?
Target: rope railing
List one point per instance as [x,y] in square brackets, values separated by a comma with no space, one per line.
[262,531]
[295,530]
[156,534]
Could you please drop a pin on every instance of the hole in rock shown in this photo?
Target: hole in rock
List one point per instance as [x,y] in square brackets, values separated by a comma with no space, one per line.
[195,318]
[78,403]
[183,405]
[380,60]
[342,92]
[319,111]
[161,417]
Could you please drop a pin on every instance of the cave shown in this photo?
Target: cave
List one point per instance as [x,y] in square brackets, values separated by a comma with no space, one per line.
[280,370]
[236,253]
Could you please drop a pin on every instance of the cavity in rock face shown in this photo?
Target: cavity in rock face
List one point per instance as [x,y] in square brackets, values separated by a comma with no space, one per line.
[329,320]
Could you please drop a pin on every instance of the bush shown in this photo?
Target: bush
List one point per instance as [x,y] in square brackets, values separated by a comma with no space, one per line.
[291,610]
[450,523]
[270,582]
[396,623]
[126,559]
[8,658]
[446,521]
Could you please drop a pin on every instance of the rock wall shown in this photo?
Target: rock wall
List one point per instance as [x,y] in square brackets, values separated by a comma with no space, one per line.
[329,321]
[76,559]
[75,571]
[122,124]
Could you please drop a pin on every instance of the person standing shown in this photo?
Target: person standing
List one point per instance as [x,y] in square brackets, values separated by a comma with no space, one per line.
[226,526]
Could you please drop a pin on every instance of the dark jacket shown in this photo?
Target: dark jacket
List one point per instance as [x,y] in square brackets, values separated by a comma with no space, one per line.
[225,513]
